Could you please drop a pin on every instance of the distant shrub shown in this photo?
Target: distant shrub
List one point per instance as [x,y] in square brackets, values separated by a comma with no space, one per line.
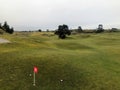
[100,28]
[80,29]
[39,30]
[47,30]
[62,31]
[114,30]
[11,30]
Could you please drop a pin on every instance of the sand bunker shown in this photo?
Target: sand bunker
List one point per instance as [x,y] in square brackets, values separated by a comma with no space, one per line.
[4,40]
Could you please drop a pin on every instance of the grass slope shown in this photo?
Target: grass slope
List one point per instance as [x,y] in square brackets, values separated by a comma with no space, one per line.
[83,62]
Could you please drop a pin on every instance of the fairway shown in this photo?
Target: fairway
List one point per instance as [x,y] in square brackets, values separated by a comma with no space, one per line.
[79,62]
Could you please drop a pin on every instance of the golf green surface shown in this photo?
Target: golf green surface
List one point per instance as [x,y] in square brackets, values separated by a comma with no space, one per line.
[79,62]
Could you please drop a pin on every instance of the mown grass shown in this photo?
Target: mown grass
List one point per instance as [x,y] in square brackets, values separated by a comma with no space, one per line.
[83,62]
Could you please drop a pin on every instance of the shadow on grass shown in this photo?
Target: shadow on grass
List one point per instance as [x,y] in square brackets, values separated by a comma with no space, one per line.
[69,38]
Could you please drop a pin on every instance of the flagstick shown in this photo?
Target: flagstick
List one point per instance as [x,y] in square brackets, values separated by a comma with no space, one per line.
[34,79]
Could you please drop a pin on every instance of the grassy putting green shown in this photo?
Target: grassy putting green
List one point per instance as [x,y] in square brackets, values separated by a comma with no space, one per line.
[83,62]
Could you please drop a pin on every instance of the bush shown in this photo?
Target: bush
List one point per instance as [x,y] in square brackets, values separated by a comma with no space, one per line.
[100,28]
[62,31]
[7,28]
[80,29]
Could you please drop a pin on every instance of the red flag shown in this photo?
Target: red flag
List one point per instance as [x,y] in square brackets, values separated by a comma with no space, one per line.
[35,69]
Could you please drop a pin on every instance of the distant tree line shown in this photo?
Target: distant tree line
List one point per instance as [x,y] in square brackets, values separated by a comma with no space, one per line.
[98,30]
[63,30]
[5,27]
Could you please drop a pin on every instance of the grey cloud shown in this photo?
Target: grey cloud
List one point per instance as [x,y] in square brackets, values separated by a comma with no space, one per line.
[50,13]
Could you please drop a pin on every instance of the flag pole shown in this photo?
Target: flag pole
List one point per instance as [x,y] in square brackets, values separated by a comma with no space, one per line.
[33,78]
[35,70]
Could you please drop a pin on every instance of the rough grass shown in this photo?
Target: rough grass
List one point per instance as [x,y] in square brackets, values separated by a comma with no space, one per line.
[83,62]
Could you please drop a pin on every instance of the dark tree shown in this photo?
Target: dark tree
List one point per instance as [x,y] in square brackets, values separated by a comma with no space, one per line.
[47,30]
[100,28]
[0,26]
[80,29]
[11,30]
[62,31]
[7,28]
[39,30]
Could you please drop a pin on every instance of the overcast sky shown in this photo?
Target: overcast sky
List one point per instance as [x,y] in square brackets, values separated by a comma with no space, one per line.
[48,14]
